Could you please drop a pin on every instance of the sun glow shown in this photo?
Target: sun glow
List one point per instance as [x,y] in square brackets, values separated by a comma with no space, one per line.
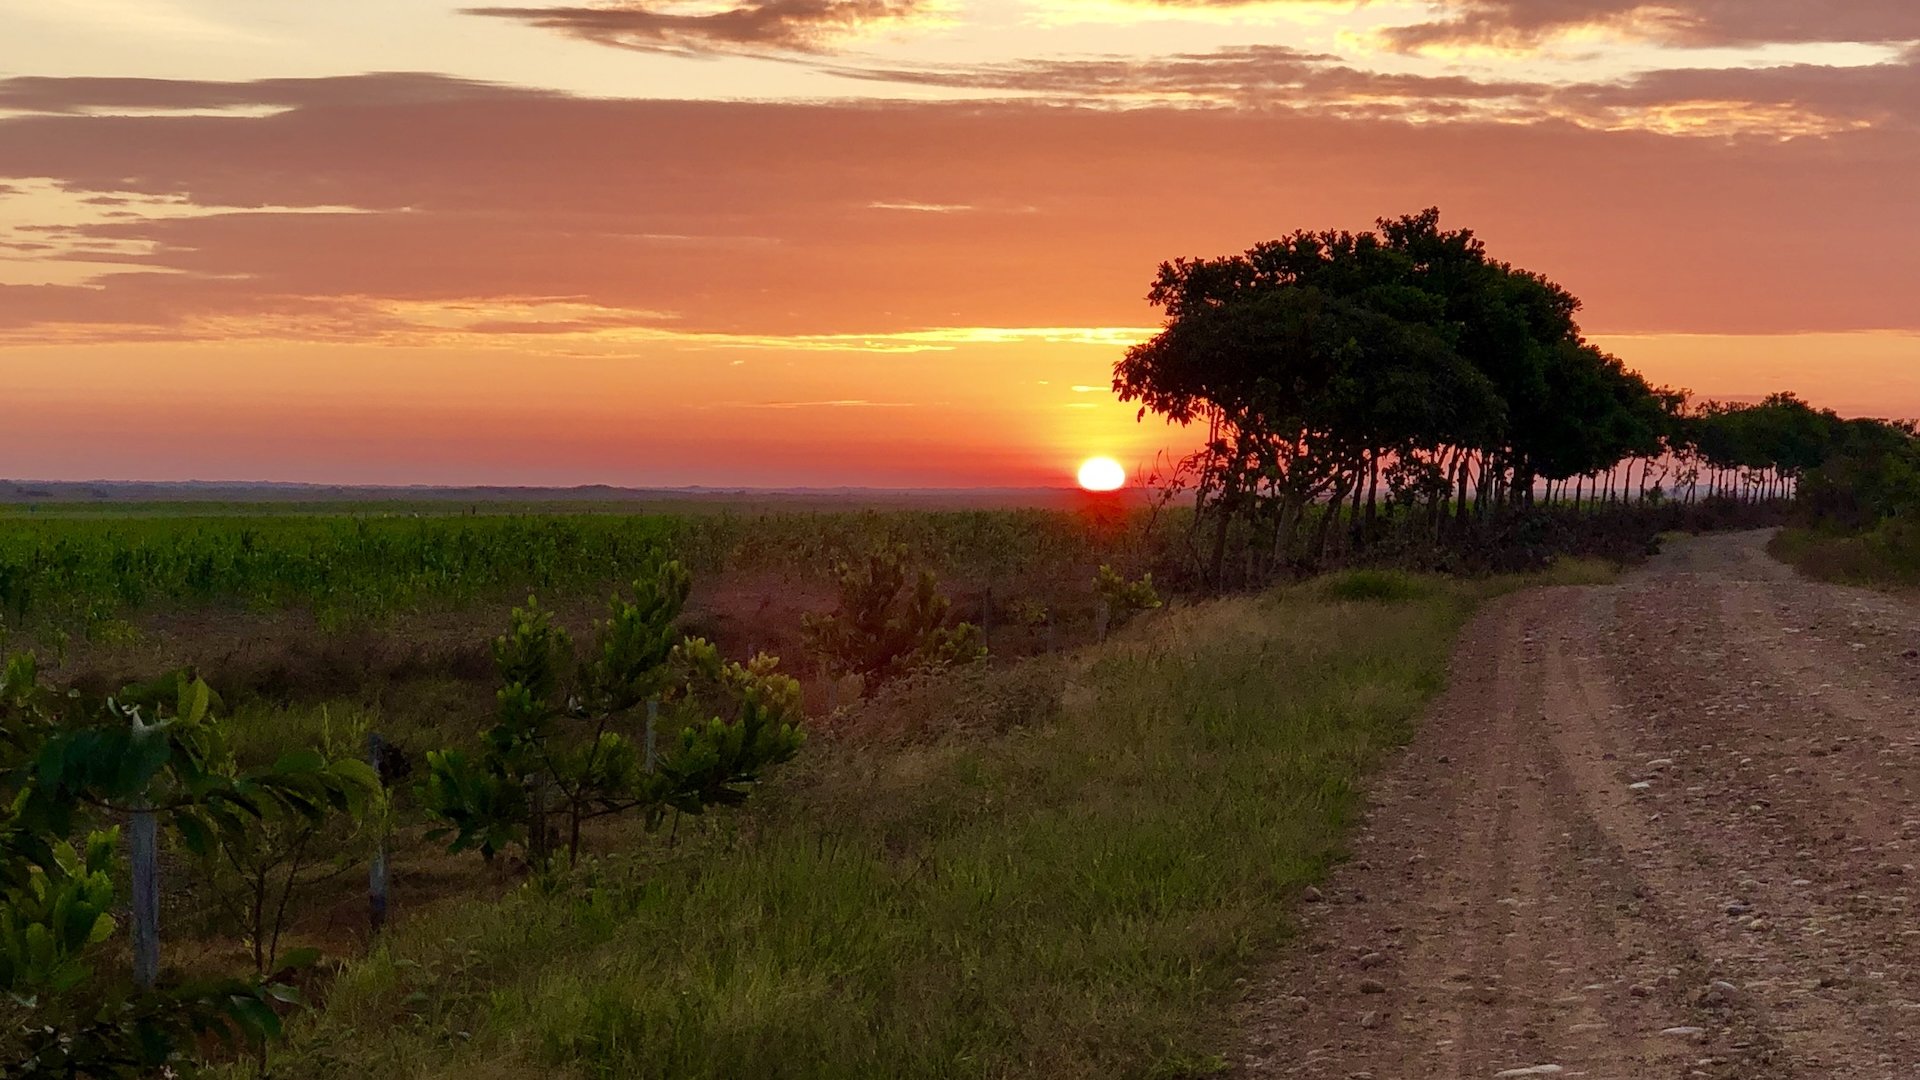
[1102,474]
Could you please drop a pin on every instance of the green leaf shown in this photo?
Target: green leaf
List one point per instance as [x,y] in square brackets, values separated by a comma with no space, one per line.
[285,992]
[358,772]
[194,699]
[255,1017]
[194,833]
[300,761]
[299,958]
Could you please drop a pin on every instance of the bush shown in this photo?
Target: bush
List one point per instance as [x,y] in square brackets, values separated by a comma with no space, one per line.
[889,623]
[1124,599]
[158,754]
[564,745]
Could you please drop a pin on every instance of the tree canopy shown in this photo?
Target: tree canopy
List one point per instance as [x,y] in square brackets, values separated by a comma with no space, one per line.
[1325,364]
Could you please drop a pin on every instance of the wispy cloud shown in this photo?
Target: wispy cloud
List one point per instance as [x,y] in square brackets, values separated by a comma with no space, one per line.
[792,26]
[843,403]
[919,207]
[154,20]
[116,95]
[1696,23]
[1774,102]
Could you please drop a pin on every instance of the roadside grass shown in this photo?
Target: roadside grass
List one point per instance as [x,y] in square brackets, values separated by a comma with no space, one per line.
[1375,585]
[1886,557]
[1069,899]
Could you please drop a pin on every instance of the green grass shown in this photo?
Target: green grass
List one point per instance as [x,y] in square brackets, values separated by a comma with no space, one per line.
[1885,557]
[1394,585]
[1069,900]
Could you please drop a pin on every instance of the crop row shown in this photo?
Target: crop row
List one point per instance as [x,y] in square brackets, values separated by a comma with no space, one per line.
[366,566]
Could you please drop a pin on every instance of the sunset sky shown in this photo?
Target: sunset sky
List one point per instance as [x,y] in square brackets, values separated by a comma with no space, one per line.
[876,242]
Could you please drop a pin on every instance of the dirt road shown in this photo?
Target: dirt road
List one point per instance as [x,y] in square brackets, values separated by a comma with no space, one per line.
[1663,828]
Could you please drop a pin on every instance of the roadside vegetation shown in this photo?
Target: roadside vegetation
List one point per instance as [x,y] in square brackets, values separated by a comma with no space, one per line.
[1058,898]
[253,825]
[595,746]
[1858,518]
[983,869]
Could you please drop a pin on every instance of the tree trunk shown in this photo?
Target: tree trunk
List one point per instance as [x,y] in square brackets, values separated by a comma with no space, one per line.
[1328,520]
[1284,522]
[1356,539]
[537,832]
[1461,509]
[1373,493]
[1217,565]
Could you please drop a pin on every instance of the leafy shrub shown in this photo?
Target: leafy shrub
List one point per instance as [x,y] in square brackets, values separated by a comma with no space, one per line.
[68,763]
[1873,475]
[256,879]
[1124,599]
[564,745]
[1028,612]
[889,623]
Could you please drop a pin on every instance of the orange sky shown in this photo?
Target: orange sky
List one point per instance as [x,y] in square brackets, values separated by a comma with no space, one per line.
[884,242]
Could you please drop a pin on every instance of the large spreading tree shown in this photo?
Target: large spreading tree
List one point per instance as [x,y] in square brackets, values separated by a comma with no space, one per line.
[1325,363]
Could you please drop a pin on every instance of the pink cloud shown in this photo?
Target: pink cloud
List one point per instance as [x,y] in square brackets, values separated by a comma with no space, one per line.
[1679,22]
[760,218]
[749,26]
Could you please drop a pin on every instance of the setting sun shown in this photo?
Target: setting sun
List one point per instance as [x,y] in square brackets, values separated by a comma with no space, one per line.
[1102,474]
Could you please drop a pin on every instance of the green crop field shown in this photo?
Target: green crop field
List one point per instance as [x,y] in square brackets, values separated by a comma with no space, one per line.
[81,571]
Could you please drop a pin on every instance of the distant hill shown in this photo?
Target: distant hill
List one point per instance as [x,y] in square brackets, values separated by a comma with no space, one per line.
[69,493]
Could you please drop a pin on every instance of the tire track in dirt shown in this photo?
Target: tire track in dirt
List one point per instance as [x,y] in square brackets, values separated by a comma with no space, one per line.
[1801,751]
[1624,845]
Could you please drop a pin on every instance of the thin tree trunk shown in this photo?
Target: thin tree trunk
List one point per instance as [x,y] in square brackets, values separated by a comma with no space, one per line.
[537,842]
[1219,560]
[1464,467]
[1283,526]
[258,916]
[1328,520]
[1373,493]
[1355,538]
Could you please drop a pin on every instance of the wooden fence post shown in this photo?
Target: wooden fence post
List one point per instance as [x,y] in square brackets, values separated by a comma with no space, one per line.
[144,850]
[146,899]
[377,868]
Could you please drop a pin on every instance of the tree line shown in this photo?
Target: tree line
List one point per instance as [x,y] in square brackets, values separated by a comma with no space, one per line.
[1401,387]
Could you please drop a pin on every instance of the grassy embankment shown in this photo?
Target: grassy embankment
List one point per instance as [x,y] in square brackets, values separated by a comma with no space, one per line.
[1072,896]
[1884,557]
